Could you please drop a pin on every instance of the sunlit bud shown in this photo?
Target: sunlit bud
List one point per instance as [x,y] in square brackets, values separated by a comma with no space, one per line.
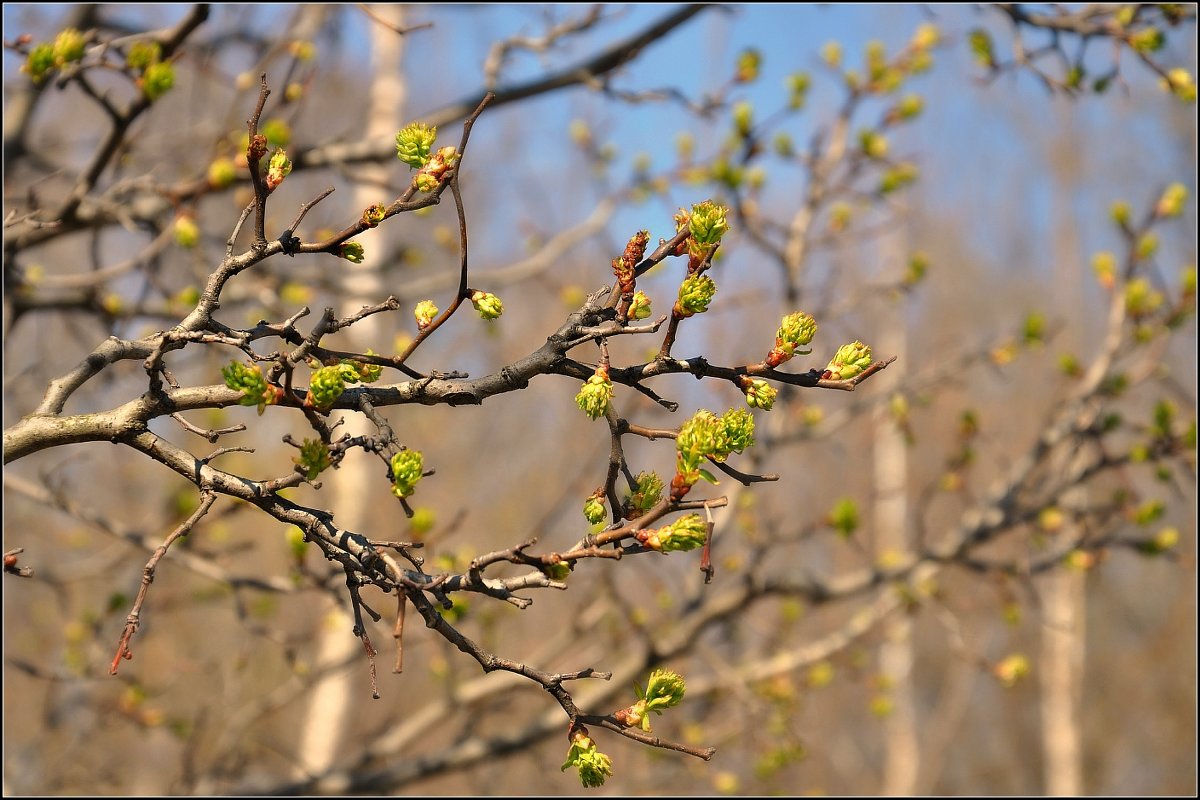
[69,46]
[221,173]
[873,143]
[640,307]
[796,330]
[685,533]
[278,168]
[325,387]
[407,468]
[645,496]
[1141,299]
[593,507]
[1146,245]
[1147,40]
[187,232]
[594,767]
[897,177]
[425,312]
[302,50]
[142,54]
[980,43]
[39,62]
[373,215]
[1011,669]
[1164,540]
[708,223]
[760,394]
[487,304]
[248,379]
[831,54]
[597,392]
[1181,83]
[749,61]
[314,458]
[158,79]
[743,118]
[1172,200]
[695,293]
[927,35]
[351,251]
[849,361]
[414,144]
[1104,264]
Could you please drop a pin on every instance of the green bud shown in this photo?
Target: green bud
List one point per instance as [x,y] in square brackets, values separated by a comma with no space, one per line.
[1035,328]
[221,173]
[784,147]
[927,35]
[277,131]
[1147,245]
[593,507]
[981,47]
[1147,40]
[749,61]
[739,431]
[158,79]
[1180,83]
[39,62]
[142,54]
[1164,540]
[249,380]
[685,533]
[910,106]
[351,251]
[849,361]
[187,232]
[1141,299]
[743,118]
[407,467]
[414,144]
[425,313]
[1104,264]
[355,371]
[695,293]
[596,394]
[69,46]
[314,458]
[325,387]
[795,330]
[897,177]
[278,168]
[797,85]
[425,182]
[873,143]
[1149,512]
[640,307]
[708,223]
[1120,212]
[594,767]
[373,215]
[843,517]
[1164,416]
[487,304]
[665,689]
[1172,200]
[760,394]
[645,496]
[699,437]
[831,54]
[914,272]
[1010,670]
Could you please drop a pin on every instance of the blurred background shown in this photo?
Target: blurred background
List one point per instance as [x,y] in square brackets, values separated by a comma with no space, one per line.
[975,574]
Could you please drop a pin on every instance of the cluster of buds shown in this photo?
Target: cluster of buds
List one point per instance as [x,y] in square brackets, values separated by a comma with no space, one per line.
[795,330]
[278,168]
[707,224]
[849,361]
[646,494]
[593,507]
[665,689]
[596,394]
[248,379]
[695,293]
[706,436]
[685,533]
[67,47]
[414,144]
[487,304]
[407,468]
[325,387]
[373,215]
[425,312]
[759,393]
[594,767]
[314,458]
[432,174]
[157,76]
[353,371]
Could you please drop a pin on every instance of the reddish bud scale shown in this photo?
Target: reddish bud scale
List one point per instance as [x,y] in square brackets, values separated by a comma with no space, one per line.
[777,356]
[257,148]
[679,487]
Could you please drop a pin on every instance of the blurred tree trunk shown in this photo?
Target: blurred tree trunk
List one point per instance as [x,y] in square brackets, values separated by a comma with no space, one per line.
[901,743]
[354,486]
[1062,596]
